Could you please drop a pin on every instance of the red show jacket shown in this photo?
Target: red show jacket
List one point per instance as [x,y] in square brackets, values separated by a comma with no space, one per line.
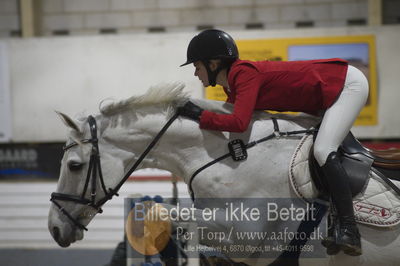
[299,86]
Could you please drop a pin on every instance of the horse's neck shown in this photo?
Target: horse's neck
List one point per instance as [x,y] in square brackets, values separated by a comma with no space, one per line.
[183,148]
[175,152]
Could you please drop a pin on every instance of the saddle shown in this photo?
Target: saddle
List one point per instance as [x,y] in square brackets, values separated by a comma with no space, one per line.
[374,180]
[387,159]
[358,161]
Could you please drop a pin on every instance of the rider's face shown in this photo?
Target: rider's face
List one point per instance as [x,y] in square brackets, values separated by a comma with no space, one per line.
[201,73]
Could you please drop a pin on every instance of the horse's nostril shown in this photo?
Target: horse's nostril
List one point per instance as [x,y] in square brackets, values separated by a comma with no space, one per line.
[56,233]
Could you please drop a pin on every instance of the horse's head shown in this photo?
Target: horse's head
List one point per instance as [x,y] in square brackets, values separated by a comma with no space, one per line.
[122,138]
[81,189]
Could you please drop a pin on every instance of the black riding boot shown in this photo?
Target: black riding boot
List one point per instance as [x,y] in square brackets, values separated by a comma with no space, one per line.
[346,234]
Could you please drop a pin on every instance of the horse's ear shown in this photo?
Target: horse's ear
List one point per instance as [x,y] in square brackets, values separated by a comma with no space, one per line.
[68,121]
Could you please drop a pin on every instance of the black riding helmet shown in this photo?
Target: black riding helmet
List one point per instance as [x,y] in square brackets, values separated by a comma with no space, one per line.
[212,44]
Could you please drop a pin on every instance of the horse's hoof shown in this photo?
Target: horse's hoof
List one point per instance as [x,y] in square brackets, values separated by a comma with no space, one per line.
[285,262]
[351,250]
[349,240]
[328,241]
[331,247]
[333,250]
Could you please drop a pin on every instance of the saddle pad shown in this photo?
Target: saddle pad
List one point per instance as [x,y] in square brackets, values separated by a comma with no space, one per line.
[377,205]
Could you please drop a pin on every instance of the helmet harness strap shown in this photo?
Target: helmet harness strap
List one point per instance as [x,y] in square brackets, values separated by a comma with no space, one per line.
[212,75]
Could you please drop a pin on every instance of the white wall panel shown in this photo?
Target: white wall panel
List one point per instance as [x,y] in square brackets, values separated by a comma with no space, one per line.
[73,74]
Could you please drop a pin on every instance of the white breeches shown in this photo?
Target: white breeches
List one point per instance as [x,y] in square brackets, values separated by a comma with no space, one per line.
[339,118]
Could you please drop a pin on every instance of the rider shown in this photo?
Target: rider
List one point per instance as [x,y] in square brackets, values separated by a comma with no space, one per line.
[329,87]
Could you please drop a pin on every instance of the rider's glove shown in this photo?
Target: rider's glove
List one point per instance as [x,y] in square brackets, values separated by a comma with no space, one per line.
[191,111]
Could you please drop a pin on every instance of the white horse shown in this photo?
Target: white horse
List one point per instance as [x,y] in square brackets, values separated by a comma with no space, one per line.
[127,127]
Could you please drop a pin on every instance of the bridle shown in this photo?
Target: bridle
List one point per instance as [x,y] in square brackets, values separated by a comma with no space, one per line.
[94,169]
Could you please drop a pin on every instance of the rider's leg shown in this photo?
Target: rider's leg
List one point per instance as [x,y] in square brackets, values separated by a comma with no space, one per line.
[336,124]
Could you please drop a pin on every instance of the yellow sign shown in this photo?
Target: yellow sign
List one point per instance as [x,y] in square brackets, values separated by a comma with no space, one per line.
[358,50]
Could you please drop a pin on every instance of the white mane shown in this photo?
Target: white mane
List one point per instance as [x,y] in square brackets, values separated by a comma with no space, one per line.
[171,95]
[162,94]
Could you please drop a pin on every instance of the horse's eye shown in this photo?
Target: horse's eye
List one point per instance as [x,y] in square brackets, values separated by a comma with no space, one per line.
[75,166]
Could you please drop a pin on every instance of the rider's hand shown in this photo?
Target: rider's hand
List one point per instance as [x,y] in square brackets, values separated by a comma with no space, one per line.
[191,111]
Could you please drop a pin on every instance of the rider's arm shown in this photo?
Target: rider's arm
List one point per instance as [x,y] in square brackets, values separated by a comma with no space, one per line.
[245,84]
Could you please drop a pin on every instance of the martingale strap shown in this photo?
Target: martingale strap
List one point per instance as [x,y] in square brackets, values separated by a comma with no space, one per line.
[276,134]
